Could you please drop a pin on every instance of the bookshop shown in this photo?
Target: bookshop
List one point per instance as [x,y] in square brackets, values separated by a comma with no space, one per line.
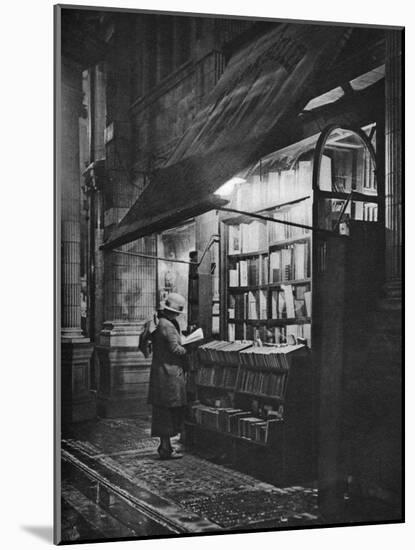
[277,277]
[276,244]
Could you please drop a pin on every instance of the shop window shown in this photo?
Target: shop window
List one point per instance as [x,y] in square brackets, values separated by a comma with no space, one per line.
[323,182]
[346,177]
[175,244]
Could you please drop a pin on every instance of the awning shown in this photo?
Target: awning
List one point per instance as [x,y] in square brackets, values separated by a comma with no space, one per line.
[247,116]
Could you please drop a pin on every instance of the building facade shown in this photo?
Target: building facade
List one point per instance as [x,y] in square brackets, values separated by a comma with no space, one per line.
[136,92]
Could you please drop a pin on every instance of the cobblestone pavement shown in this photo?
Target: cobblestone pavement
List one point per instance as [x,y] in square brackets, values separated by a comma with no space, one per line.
[193,486]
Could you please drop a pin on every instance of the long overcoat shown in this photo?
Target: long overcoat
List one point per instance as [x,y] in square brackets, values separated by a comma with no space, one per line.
[167,378]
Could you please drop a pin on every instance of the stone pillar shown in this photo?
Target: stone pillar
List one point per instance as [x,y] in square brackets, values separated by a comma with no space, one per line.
[124,371]
[393,165]
[78,402]
[376,446]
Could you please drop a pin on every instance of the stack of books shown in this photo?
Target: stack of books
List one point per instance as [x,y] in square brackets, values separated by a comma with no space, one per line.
[219,351]
[237,422]
[206,416]
[269,358]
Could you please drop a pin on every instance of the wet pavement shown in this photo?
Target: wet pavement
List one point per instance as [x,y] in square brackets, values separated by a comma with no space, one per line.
[115,486]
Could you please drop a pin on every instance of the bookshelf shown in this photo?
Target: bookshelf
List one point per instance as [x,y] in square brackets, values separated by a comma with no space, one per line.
[270,269]
[287,287]
[268,265]
[252,398]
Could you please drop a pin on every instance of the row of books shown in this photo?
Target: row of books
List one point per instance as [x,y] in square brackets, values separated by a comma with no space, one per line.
[262,383]
[343,171]
[370,212]
[273,187]
[291,302]
[269,358]
[248,305]
[290,263]
[217,376]
[244,354]
[250,272]
[236,422]
[247,237]
[250,237]
[273,335]
[298,213]
[347,170]
[220,351]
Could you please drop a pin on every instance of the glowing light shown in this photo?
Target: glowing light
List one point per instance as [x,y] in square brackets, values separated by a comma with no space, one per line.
[227,188]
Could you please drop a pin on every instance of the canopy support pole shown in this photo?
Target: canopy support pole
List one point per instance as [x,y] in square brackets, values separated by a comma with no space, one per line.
[269,219]
[214,238]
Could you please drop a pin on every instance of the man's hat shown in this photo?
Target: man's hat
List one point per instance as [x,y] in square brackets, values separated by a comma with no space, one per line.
[174,302]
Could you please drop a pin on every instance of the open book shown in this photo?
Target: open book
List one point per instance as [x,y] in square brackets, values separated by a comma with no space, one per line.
[193,337]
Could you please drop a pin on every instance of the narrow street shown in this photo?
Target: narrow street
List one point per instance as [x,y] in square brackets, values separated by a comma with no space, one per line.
[114,485]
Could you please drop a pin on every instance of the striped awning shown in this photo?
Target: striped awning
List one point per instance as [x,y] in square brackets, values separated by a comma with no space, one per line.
[247,115]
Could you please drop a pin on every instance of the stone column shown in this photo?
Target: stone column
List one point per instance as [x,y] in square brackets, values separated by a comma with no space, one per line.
[78,402]
[124,371]
[393,164]
[377,440]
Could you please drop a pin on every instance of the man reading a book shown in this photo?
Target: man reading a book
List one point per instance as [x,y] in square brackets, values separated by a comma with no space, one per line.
[167,391]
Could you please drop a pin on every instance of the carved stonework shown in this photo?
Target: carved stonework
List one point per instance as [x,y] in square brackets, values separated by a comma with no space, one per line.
[124,371]
[78,401]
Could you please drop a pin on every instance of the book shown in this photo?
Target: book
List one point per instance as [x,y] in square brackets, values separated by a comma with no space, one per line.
[234,276]
[300,260]
[325,181]
[281,305]
[286,264]
[275,266]
[244,228]
[274,304]
[243,273]
[277,230]
[252,306]
[253,272]
[193,337]
[234,239]
[307,333]
[304,177]
[231,306]
[273,188]
[264,266]
[299,307]
[307,300]
[263,313]
[287,183]
[289,300]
